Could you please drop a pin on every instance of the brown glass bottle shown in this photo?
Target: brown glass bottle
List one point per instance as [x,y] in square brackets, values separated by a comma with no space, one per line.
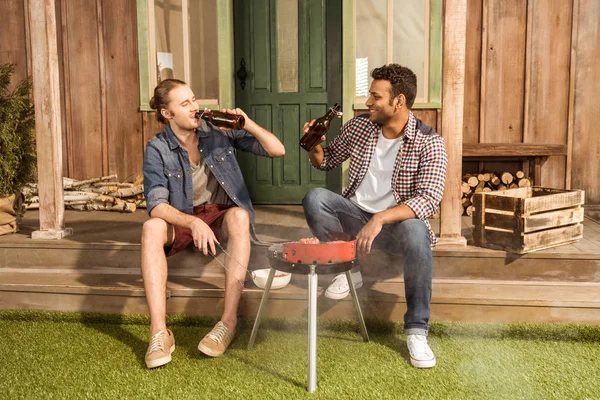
[221,119]
[311,138]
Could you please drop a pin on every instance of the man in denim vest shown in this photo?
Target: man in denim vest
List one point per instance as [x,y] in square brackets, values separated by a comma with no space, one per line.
[395,182]
[196,195]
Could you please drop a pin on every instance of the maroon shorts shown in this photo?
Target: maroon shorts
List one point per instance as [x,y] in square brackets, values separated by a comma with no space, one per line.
[211,214]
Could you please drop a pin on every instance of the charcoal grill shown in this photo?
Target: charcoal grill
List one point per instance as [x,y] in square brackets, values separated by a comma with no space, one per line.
[310,259]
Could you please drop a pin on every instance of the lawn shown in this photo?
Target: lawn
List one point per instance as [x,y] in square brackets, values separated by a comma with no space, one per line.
[48,355]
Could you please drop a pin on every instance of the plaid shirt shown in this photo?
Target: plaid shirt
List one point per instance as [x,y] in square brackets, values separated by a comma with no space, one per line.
[419,171]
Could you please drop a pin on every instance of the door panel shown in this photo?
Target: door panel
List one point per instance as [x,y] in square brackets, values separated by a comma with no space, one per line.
[286,180]
[288,128]
[315,39]
[261,114]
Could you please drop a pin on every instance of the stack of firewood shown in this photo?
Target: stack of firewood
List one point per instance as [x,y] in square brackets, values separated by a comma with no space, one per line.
[97,194]
[488,182]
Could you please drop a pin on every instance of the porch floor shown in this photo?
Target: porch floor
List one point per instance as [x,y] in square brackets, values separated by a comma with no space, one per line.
[97,270]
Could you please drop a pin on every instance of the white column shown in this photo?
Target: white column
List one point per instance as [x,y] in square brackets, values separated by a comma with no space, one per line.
[46,95]
[453,98]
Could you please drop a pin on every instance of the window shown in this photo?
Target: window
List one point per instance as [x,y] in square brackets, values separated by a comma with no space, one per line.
[407,32]
[179,39]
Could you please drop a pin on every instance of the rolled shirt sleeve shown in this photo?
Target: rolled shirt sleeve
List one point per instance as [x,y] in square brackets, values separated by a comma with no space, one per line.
[245,141]
[430,179]
[339,149]
[156,189]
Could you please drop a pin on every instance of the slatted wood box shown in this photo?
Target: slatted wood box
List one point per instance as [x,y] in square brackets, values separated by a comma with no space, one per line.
[527,219]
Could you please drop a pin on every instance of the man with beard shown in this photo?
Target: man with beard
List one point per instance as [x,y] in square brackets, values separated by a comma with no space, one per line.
[395,182]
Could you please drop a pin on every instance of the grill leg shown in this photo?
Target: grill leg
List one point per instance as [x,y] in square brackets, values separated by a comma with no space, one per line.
[312,330]
[261,308]
[361,320]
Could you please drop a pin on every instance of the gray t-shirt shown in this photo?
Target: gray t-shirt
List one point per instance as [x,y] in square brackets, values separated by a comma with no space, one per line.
[206,187]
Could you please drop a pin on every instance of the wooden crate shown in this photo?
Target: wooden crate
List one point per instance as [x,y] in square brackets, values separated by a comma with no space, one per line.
[527,219]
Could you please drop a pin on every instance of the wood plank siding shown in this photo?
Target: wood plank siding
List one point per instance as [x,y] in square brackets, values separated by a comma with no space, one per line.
[546,82]
[13,40]
[124,124]
[531,76]
[529,79]
[585,106]
[81,61]
[103,131]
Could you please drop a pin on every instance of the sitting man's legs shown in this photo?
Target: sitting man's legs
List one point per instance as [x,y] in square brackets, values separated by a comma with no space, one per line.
[327,212]
[156,234]
[410,239]
[236,231]
[160,240]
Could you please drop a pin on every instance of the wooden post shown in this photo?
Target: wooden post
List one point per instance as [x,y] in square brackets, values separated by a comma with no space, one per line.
[453,98]
[46,95]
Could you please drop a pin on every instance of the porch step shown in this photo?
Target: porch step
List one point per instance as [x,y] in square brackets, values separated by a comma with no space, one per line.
[67,255]
[470,263]
[98,270]
[453,299]
[111,240]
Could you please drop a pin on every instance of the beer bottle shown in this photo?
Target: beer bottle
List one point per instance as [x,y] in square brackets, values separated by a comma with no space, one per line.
[310,139]
[222,119]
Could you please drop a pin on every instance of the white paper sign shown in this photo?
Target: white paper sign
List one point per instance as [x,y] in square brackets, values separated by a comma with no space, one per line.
[362,77]
[165,60]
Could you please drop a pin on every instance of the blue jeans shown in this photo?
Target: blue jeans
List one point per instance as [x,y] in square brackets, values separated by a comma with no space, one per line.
[326,212]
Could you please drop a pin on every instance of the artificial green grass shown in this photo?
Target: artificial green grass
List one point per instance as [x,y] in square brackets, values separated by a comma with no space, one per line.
[70,355]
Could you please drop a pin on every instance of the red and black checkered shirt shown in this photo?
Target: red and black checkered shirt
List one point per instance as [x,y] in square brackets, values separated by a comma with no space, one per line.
[419,171]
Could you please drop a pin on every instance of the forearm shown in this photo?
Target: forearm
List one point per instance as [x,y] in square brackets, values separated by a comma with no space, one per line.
[368,233]
[267,140]
[172,215]
[316,156]
[395,214]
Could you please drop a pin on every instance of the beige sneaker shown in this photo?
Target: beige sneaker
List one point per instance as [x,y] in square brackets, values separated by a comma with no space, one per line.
[216,341]
[162,345]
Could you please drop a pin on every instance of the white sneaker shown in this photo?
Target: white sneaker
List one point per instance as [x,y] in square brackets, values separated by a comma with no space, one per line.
[421,355]
[340,288]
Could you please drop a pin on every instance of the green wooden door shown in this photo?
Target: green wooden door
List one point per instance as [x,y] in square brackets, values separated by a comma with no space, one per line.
[291,54]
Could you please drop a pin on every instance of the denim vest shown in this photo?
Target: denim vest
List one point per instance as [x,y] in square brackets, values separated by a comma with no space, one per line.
[168,174]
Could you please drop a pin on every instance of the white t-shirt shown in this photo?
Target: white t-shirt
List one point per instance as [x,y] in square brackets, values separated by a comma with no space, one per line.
[374,194]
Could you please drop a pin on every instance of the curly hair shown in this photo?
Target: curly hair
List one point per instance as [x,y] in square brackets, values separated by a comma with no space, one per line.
[403,81]
[160,100]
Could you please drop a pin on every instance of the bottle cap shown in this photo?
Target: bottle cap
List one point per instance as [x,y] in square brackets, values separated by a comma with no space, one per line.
[335,108]
[206,110]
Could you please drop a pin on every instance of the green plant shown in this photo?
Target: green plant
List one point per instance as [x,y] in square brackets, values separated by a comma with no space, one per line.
[17,136]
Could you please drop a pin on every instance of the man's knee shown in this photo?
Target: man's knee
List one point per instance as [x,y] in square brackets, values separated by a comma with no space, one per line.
[414,233]
[315,197]
[154,229]
[237,219]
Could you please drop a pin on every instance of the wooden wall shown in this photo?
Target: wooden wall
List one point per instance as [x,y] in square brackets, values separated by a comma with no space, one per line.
[13,40]
[585,114]
[103,131]
[532,76]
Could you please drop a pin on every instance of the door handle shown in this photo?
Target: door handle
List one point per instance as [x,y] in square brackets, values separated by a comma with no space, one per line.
[242,74]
